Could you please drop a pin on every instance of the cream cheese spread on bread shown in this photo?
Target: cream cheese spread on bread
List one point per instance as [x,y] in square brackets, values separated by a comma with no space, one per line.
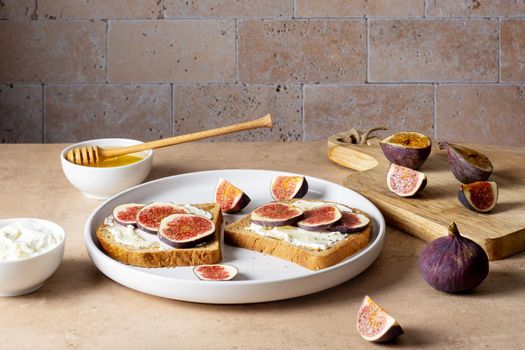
[136,238]
[315,240]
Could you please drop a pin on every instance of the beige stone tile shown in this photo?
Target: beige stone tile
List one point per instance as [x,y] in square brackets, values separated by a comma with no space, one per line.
[512,50]
[329,109]
[20,114]
[228,8]
[199,107]
[295,51]
[81,112]
[52,51]
[475,8]
[488,114]
[433,50]
[358,8]
[172,51]
[17,9]
[100,9]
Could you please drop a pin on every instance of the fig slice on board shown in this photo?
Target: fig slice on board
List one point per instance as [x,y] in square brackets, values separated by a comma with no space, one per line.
[467,164]
[320,218]
[230,198]
[408,149]
[150,216]
[216,272]
[126,214]
[186,230]
[374,324]
[350,223]
[480,196]
[276,214]
[405,182]
[285,187]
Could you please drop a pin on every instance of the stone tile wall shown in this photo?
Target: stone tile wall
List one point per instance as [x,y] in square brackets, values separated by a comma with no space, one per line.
[74,69]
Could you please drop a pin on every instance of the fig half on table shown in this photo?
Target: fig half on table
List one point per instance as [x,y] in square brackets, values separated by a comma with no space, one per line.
[374,324]
[467,164]
[479,196]
[404,181]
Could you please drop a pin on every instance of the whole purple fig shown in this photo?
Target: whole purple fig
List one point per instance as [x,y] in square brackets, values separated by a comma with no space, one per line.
[454,263]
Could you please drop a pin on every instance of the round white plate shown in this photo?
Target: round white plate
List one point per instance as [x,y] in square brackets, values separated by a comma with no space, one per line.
[261,277]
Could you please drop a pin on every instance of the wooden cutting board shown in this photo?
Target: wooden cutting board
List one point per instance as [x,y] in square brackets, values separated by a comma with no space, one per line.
[501,232]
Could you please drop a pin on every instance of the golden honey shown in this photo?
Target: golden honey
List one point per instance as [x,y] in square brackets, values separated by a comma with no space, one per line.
[117,161]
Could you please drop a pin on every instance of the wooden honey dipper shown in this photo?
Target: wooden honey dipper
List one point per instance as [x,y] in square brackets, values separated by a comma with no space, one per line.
[90,155]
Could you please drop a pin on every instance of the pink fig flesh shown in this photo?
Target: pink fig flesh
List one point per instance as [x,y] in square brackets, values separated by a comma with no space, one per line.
[374,324]
[350,223]
[230,198]
[126,214]
[186,230]
[405,182]
[479,196]
[320,218]
[287,187]
[276,214]
[150,216]
[217,272]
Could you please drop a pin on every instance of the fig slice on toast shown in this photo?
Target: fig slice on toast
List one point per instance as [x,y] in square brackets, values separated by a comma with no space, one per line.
[216,272]
[374,324]
[350,223]
[150,216]
[186,230]
[276,214]
[320,218]
[126,214]
[230,198]
[285,187]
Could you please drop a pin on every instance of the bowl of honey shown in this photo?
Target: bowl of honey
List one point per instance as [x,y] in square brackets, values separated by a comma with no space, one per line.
[109,176]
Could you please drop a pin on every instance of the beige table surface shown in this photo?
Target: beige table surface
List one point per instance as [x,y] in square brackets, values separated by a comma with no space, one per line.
[80,308]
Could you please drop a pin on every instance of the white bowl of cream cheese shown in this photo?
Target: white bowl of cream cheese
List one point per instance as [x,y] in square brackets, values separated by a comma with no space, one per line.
[30,252]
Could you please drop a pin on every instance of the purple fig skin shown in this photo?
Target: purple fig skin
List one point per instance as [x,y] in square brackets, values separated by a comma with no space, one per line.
[345,228]
[394,332]
[303,189]
[186,244]
[404,155]
[241,204]
[462,170]
[236,206]
[453,264]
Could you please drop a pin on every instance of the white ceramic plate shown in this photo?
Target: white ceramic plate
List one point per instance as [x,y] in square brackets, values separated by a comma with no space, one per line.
[261,277]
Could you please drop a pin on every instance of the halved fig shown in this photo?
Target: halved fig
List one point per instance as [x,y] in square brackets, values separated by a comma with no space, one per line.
[126,214]
[408,149]
[350,223]
[217,272]
[186,230]
[405,182]
[479,196]
[467,164]
[276,214]
[230,198]
[150,216]
[374,324]
[287,187]
[320,218]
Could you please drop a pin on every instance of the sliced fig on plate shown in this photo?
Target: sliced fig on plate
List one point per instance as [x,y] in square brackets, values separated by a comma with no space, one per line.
[150,216]
[467,164]
[230,198]
[350,223]
[479,196]
[276,214]
[217,272]
[405,182]
[374,324]
[186,230]
[287,187]
[126,214]
[408,149]
[320,218]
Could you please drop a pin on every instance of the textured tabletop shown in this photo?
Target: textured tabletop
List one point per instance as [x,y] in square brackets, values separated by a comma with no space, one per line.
[78,307]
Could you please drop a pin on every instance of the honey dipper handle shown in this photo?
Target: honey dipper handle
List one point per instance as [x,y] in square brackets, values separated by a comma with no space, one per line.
[264,122]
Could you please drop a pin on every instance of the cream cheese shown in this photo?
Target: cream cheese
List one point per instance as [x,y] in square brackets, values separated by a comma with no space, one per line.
[307,205]
[26,238]
[315,240]
[138,239]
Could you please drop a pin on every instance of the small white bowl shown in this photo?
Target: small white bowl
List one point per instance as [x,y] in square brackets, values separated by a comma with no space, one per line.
[102,183]
[24,276]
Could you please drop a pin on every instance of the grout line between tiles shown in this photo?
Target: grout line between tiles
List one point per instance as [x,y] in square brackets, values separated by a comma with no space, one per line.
[434,119]
[293,9]
[424,8]
[236,51]
[43,113]
[367,48]
[107,51]
[172,110]
[302,112]
[498,58]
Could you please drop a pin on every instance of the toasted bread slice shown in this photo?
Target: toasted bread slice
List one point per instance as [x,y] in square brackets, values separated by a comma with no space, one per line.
[208,253]
[237,234]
